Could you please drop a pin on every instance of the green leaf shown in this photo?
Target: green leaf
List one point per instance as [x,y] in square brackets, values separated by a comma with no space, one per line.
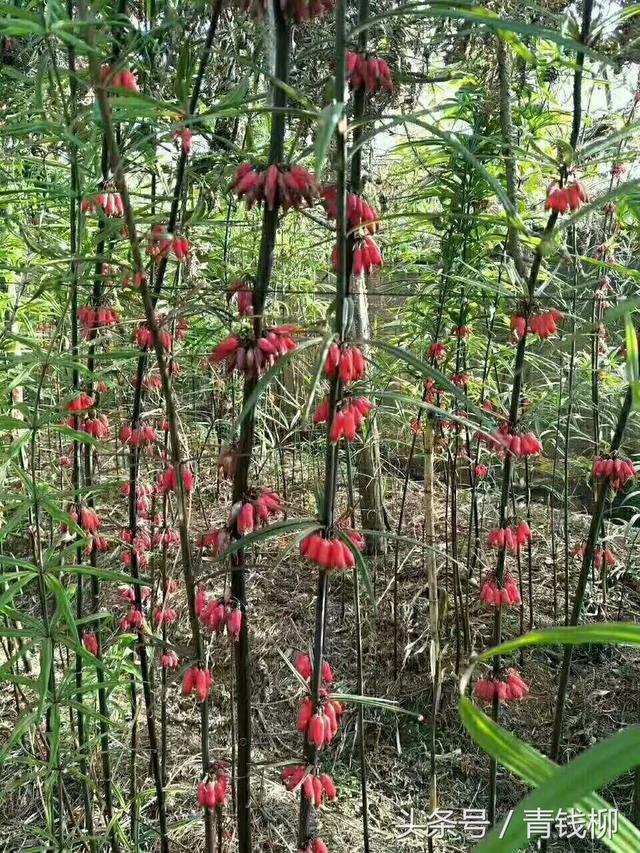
[567,787]
[618,633]
[291,93]
[387,705]
[327,123]
[318,373]
[633,366]
[13,589]
[442,382]
[361,565]
[306,525]
[267,379]
[481,17]
[292,669]
[25,722]
[10,424]
[536,769]
[62,598]
[518,46]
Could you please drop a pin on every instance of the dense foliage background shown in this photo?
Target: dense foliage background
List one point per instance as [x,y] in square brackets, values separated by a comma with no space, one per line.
[319,379]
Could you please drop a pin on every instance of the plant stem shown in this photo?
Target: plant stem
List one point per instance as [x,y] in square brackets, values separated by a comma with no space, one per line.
[246,442]
[587,561]
[305,824]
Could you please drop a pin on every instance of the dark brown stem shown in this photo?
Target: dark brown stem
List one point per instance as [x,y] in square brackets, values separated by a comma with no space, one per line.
[245,447]
[306,822]
[587,562]
[360,674]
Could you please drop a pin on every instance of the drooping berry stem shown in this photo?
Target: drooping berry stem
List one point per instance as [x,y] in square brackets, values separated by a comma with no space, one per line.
[74,242]
[587,562]
[327,515]
[516,388]
[245,444]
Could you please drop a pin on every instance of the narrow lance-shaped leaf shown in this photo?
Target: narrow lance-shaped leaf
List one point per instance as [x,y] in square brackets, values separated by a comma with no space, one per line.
[536,769]
[631,357]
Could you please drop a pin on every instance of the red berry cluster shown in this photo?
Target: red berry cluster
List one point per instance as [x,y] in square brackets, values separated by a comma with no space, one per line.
[437,351]
[134,620]
[462,380]
[141,544]
[89,521]
[87,518]
[544,325]
[518,444]
[169,481]
[497,595]
[92,319]
[198,681]
[275,186]
[368,74]
[305,10]
[143,495]
[184,138]
[316,845]
[165,616]
[119,79]
[169,660]
[242,292]
[506,687]
[109,202]
[511,539]
[212,795]
[165,537]
[246,516]
[297,10]
[251,357]
[91,643]
[97,426]
[218,614]
[144,338]
[461,332]
[366,256]
[347,420]
[618,471]
[227,463]
[140,436]
[216,540]
[330,554]
[314,787]
[569,198]
[360,214]
[320,723]
[134,279]
[346,361]
[604,557]
[160,243]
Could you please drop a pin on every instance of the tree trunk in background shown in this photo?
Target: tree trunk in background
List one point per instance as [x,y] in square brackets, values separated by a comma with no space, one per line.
[370,487]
